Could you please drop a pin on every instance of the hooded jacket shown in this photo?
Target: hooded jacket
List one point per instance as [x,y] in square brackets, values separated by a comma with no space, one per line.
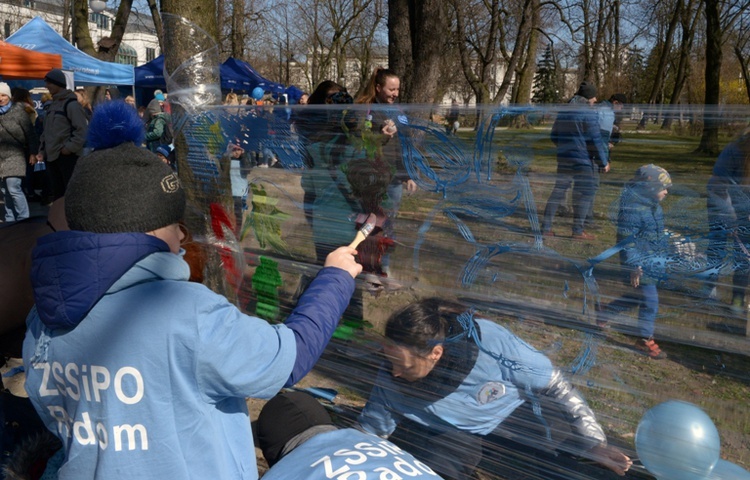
[641,218]
[142,374]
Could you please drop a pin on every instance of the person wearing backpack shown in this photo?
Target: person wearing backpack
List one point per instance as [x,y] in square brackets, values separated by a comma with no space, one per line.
[159,129]
[64,133]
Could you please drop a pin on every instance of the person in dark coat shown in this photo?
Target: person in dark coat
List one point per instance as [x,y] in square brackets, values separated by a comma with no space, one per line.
[575,133]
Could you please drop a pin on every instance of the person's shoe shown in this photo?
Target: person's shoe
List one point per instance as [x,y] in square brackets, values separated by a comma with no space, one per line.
[649,347]
[549,233]
[584,236]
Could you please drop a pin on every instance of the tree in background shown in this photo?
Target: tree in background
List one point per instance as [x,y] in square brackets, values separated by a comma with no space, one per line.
[721,17]
[546,83]
[494,37]
[417,34]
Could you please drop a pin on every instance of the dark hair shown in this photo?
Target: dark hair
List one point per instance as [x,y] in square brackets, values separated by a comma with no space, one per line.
[379,77]
[322,91]
[424,324]
[20,95]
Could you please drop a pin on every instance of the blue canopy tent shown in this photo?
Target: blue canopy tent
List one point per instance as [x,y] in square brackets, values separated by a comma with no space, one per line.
[294,93]
[39,36]
[151,75]
[255,79]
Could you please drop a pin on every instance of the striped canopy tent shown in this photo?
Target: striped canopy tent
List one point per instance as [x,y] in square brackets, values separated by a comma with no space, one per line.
[18,63]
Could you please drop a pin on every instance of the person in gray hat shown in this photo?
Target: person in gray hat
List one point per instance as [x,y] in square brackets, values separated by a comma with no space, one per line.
[64,132]
[158,368]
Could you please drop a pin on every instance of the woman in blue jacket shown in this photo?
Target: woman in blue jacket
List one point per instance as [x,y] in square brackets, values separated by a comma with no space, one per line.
[139,372]
[455,385]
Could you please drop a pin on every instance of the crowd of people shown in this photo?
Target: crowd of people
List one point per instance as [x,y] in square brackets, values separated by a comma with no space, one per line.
[135,369]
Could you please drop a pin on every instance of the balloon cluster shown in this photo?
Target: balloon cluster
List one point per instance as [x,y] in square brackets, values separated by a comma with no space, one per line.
[678,441]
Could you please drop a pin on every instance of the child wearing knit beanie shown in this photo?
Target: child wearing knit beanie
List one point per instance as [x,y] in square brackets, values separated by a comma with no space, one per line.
[132,366]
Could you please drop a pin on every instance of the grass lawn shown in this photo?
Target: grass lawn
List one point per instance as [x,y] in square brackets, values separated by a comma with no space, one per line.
[477,243]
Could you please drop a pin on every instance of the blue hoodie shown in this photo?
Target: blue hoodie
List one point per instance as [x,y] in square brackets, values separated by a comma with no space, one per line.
[143,374]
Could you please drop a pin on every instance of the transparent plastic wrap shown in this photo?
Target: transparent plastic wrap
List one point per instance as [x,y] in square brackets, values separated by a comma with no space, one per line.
[567,322]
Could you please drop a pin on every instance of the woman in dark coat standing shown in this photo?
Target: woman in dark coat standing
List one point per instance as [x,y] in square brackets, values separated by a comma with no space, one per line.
[18,144]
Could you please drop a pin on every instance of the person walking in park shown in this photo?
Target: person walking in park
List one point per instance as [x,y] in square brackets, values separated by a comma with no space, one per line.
[576,133]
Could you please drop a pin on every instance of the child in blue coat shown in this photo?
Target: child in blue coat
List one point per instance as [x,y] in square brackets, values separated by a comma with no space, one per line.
[640,224]
[134,368]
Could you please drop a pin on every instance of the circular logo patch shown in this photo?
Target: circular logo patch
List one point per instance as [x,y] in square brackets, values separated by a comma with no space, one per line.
[490,392]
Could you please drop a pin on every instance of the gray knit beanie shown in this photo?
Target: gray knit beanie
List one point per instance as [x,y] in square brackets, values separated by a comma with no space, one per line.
[56,77]
[587,90]
[123,189]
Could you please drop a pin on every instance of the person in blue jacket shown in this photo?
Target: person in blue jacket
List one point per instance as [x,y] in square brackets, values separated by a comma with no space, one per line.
[140,373]
[454,385]
[728,205]
[577,136]
[640,229]
[300,441]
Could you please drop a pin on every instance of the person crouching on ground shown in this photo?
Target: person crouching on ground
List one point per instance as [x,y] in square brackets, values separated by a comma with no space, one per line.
[299,440]
[131,366]
[454,386]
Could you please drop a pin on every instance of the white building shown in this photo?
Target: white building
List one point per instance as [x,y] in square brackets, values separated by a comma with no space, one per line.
[139,44]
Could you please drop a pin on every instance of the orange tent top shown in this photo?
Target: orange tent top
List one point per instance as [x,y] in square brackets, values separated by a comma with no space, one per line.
[17,63]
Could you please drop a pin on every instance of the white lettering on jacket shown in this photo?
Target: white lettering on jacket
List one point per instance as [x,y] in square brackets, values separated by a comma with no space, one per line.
[334,468]
[88,383]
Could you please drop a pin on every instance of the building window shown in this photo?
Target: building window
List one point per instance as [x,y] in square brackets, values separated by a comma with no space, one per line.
[101,20]
[7,29]
[29,3]
[127,55]
[150,54]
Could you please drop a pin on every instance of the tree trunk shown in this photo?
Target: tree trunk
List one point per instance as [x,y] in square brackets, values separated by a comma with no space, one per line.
[238,34]
[399,39]
[743,65]
[683,66]
[195,86]
[428,21]
[710,140]
[663,59]
[154,9]
[107,51]
[525,82]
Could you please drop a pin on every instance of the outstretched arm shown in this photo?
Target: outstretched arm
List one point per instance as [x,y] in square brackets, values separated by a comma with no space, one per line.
[583,422]
[319,309]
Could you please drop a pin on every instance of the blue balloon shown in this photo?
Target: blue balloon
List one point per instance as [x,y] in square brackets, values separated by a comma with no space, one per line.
[677,441]
[728,471]
[258,93]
